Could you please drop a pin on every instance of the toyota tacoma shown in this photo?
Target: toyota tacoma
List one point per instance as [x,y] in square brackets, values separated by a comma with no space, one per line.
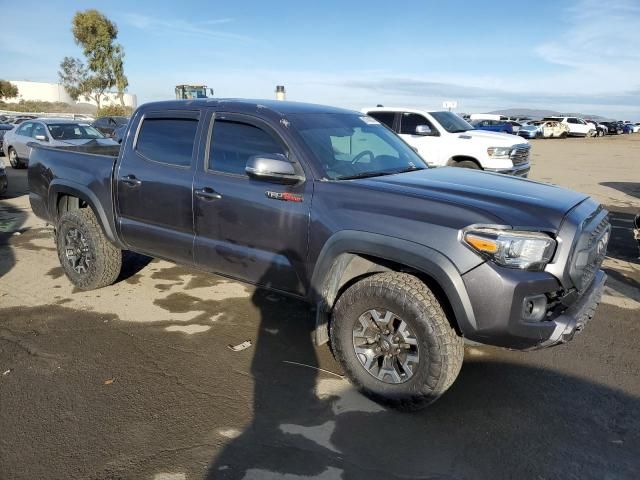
[402,263]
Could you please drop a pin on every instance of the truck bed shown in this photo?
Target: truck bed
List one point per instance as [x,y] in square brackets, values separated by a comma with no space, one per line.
[87,168]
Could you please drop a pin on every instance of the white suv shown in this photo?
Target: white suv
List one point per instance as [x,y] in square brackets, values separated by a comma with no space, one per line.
[444,138]
[577,126]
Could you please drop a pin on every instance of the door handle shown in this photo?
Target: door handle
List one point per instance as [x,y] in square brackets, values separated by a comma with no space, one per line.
[207,193]
[131,180]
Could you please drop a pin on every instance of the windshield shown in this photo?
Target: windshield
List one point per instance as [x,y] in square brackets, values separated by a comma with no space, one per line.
[451,122]
[73,131]
[353,146]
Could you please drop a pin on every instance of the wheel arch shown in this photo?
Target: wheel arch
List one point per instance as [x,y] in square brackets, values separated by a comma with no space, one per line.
[350,256]
[65,195]
[461,158]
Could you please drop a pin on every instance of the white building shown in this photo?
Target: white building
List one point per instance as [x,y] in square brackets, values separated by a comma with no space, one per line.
[55,92]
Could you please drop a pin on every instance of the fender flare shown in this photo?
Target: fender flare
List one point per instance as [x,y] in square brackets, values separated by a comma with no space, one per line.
[68,187]
[335,267]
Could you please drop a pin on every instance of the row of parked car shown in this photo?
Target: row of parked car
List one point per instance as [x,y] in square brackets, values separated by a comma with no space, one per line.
[57,132]
[553,127]
[484,142]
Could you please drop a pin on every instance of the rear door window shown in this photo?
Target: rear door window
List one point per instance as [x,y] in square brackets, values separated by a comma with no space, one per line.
[25,129]
[386,118]
[167,140]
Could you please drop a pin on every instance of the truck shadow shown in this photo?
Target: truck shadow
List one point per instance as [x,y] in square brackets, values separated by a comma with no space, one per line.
[630,188]
[499,420]
[12,218]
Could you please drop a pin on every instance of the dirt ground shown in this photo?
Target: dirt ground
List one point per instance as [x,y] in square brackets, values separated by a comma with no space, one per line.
[136,381]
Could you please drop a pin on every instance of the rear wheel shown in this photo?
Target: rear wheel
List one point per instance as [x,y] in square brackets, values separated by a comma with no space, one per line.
[89,260]
[394,342]
[13,158]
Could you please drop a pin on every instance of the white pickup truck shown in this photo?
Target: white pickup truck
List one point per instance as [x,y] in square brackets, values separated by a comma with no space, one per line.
[443,138]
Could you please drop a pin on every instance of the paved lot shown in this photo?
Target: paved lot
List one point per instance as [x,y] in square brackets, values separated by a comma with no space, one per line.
[136,380]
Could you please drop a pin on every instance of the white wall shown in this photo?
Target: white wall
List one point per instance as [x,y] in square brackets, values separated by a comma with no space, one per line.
[54,92]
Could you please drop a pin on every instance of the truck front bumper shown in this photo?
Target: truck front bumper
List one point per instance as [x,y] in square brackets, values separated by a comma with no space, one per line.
[498,296]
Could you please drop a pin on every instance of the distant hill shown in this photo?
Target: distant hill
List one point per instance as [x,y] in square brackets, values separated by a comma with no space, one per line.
[535,113]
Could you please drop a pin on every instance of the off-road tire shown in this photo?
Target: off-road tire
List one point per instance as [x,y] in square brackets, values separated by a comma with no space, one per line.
[106,261]
[441,349]
[468,164]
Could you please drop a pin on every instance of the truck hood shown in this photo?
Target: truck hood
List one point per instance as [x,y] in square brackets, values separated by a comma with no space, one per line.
[511,200]
[492,139]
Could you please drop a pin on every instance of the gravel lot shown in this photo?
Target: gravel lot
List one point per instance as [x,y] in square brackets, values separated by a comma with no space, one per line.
[136,380]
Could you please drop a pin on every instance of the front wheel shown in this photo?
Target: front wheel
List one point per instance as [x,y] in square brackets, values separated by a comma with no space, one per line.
[468,164]
[89,260]
[394,342]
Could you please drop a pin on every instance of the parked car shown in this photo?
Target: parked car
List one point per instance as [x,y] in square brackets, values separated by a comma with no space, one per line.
[21,119]
[402,262]
[54,132]
[4,180]
[515,126]
[118,133]
[626,127]
[108,125]
[601,129]
[577,126]
[530,130]
[614,128]
[4,128]
[487,116]
[502,126]
[552,129]
[443,138]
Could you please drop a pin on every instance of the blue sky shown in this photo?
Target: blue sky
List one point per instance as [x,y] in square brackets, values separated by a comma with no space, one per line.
[581,55]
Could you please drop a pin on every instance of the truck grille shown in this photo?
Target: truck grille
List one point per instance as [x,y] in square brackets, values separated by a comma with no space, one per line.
[520,154]
[590,250]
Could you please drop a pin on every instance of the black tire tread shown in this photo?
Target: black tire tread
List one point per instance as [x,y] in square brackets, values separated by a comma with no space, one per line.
[109,257]
[449,346]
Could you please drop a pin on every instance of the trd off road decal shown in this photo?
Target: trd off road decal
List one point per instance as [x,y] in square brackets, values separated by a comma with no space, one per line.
[284,196]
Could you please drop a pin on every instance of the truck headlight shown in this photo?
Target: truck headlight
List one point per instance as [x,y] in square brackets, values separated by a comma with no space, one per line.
[499,152]
[509,248]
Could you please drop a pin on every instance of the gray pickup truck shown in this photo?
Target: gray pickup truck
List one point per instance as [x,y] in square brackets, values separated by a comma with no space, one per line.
[402,263]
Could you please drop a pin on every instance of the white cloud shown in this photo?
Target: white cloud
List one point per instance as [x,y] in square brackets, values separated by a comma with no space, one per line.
[162,26]
[600,47]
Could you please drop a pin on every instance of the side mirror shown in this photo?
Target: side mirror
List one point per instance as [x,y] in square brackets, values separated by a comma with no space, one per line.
[42,138]
[272,168]
[423,130]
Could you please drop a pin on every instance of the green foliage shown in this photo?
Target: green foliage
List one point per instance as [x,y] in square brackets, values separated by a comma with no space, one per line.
[95,33]
[114,111]
[36,106]
[7,89]
[104,69]
[74,77]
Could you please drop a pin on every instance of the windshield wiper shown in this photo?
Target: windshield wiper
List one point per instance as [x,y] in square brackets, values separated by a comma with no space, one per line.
[380,173]
[364,175]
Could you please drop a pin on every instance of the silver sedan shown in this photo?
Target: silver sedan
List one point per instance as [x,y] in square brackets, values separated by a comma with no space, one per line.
[52,132]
